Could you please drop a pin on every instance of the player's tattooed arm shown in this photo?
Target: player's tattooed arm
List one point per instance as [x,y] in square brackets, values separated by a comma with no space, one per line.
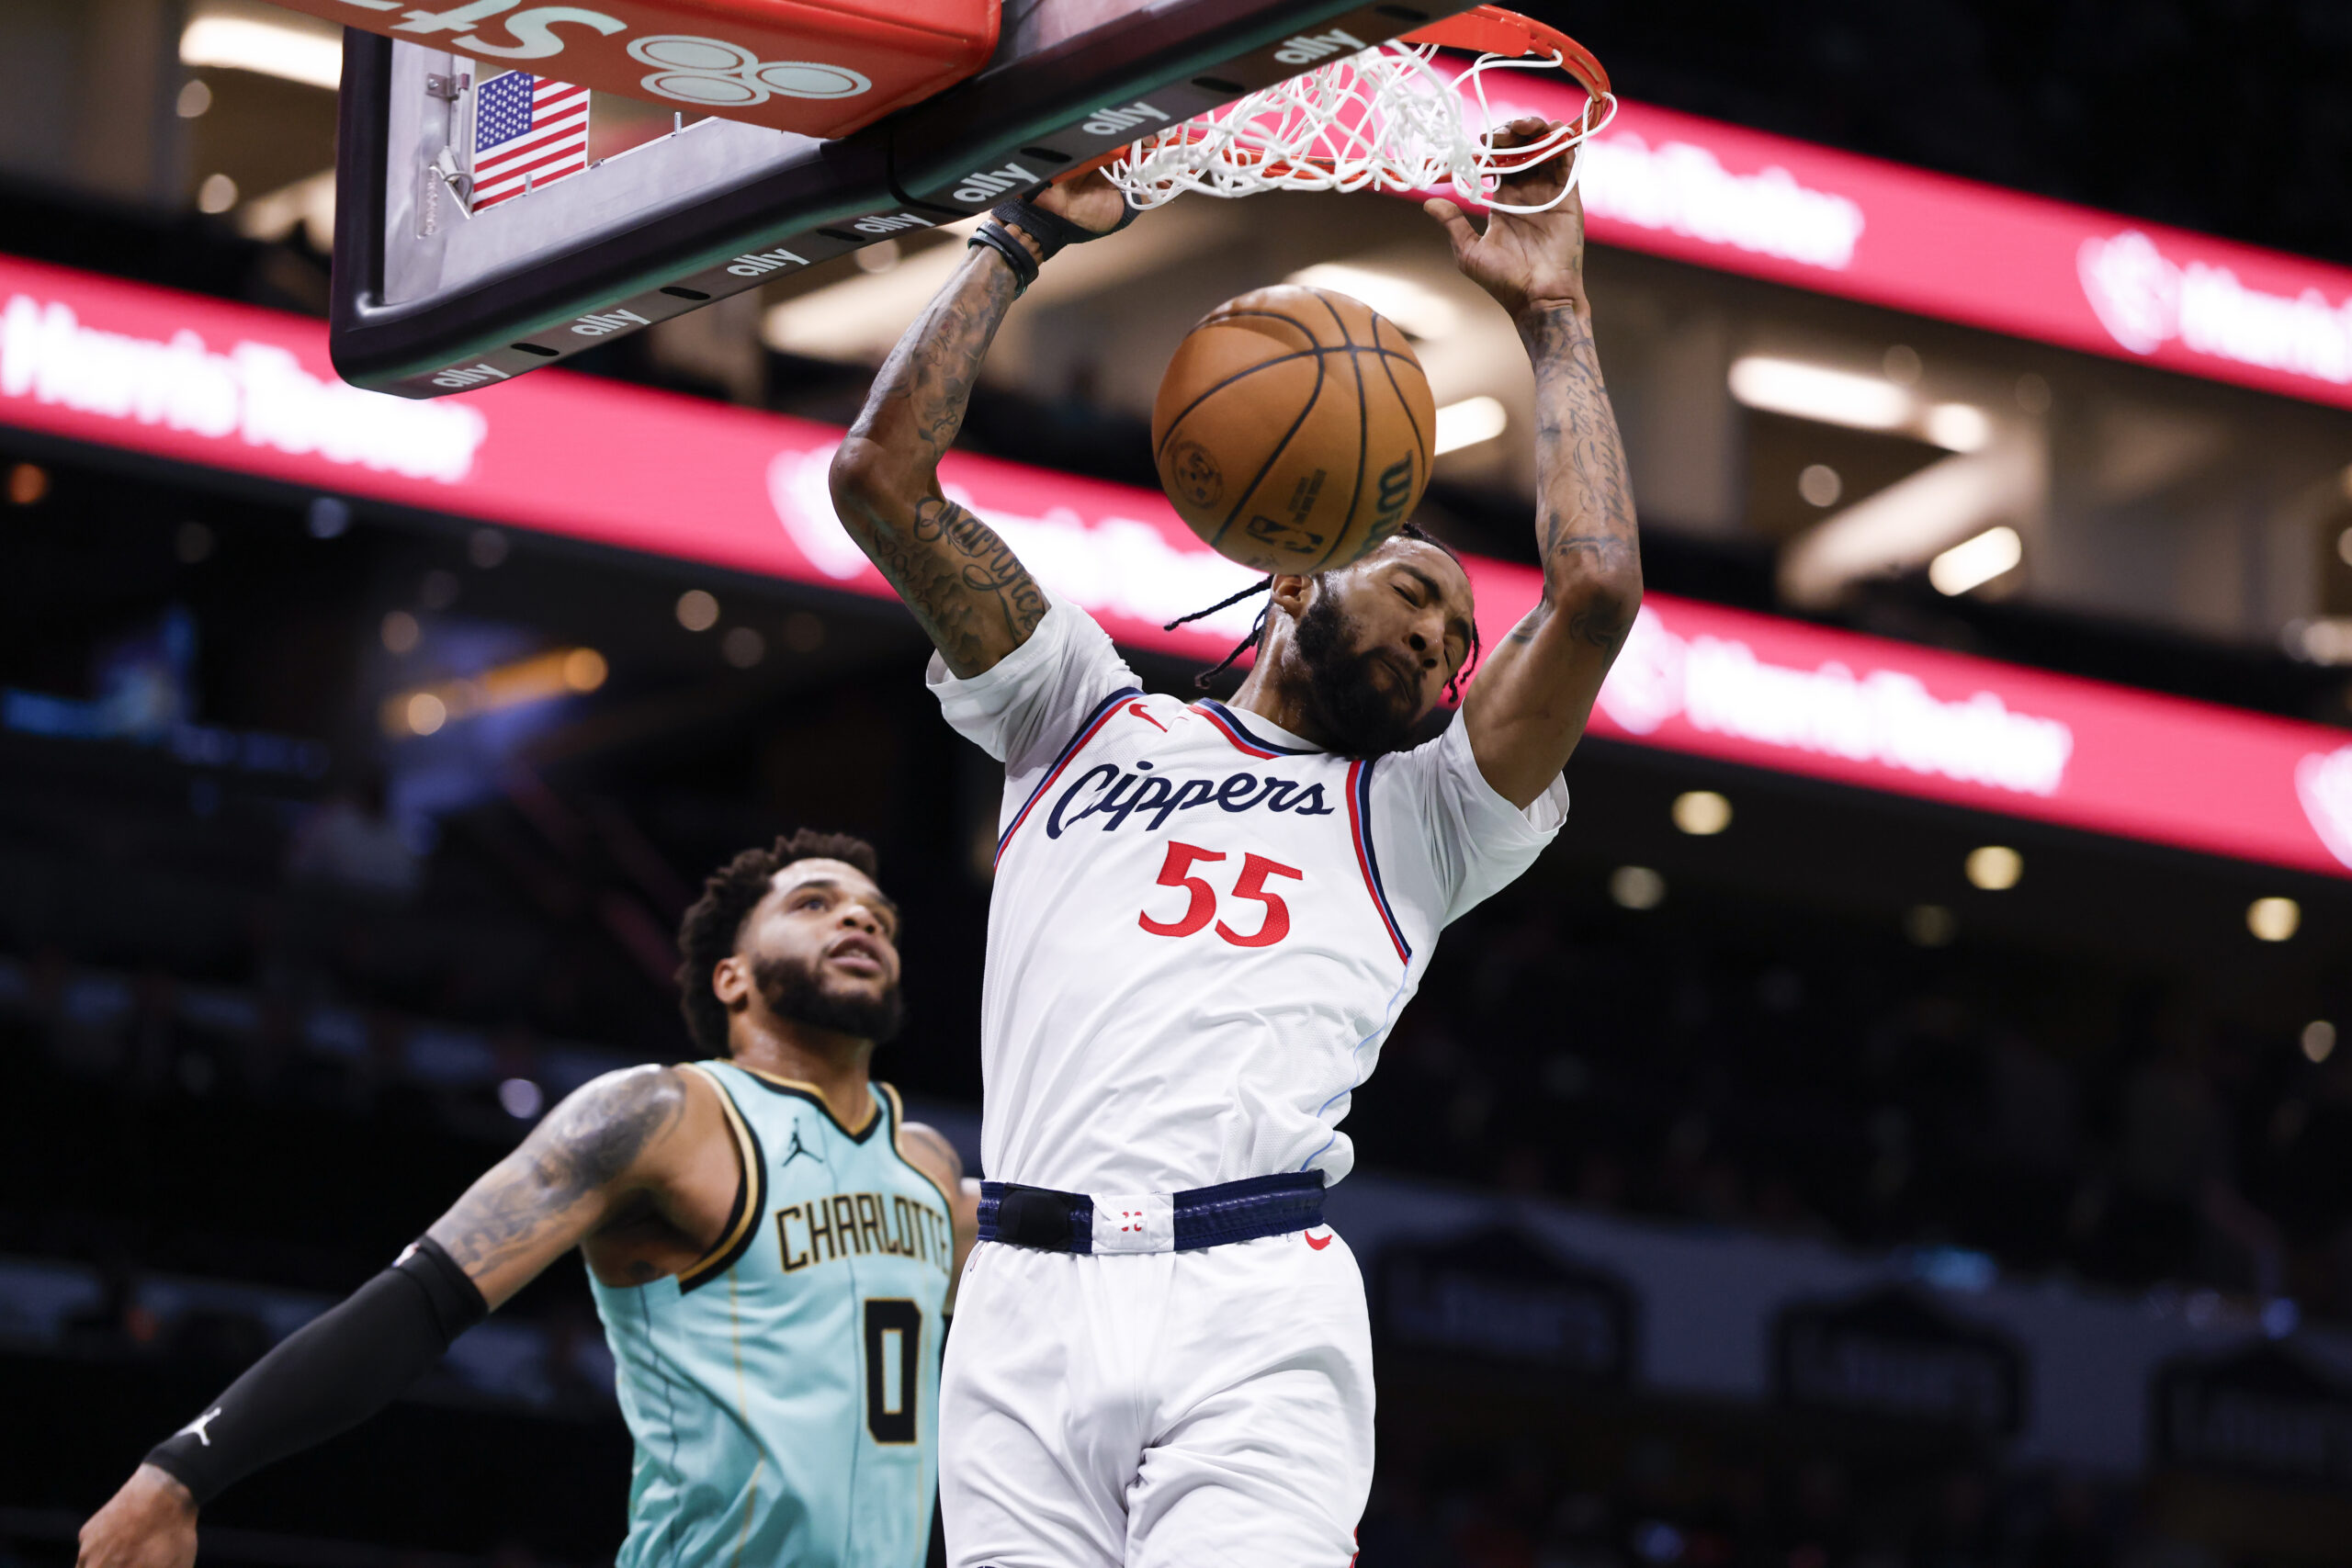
[937,1159]
[929,1148]
[1585,524]
[603,1142]
[962,583]
[1529,705]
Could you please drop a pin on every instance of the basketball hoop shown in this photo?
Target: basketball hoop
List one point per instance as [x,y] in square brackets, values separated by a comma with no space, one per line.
[1391,117]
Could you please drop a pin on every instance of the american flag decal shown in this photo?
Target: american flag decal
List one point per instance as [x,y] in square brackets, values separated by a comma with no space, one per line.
[527,131]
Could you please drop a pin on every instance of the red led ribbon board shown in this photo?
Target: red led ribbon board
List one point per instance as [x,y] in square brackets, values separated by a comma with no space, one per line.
[128,366]
[817,67]
[1674,185]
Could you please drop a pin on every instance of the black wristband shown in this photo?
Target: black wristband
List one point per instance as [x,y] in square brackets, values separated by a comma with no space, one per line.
[996,237]
[332,1372]
[1051,231]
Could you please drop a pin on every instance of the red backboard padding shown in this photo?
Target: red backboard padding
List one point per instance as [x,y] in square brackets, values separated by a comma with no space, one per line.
[818,67]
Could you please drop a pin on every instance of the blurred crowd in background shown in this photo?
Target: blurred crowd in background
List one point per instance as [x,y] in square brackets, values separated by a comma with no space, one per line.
[2103,1126]
[1667,1504]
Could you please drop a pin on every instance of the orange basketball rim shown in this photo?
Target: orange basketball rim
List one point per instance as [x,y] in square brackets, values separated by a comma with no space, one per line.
[1387,118]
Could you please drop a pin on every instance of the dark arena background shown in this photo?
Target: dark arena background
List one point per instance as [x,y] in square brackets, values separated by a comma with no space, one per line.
[1902,1122]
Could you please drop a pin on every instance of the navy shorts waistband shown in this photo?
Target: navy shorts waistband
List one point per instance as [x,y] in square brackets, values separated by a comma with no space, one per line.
[1048,1221]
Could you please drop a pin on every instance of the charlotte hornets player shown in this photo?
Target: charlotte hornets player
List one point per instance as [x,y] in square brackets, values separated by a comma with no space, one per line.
[1205,918]
[770,1242]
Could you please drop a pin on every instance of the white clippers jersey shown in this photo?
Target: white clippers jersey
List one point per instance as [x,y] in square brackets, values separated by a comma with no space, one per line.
[1202,928]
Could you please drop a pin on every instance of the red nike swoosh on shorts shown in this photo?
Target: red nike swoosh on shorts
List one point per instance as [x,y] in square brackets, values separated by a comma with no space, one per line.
[1317,1246]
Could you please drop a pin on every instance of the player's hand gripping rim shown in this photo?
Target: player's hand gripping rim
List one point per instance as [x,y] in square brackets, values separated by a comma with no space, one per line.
[1029,231]
[1530,261]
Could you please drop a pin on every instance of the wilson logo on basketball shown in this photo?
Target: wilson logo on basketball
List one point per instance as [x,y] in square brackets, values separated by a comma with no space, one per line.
[1396,489]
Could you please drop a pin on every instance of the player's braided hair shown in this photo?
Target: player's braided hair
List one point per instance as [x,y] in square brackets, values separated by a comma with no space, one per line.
[1258,628]
[708,933]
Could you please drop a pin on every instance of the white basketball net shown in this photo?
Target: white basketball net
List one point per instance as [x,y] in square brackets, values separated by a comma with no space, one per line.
[1389,119]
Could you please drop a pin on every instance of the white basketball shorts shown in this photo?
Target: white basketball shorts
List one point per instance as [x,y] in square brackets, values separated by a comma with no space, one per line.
[1158,1410]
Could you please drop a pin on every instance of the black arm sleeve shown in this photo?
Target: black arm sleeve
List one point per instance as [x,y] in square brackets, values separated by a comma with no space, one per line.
[332,1372]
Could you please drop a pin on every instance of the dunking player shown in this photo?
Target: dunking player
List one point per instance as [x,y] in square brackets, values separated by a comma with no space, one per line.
[1205,919]
[770,1242]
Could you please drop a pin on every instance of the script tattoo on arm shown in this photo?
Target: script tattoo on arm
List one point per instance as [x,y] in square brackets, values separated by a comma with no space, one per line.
[961,580]
[539,1200]
[964,583]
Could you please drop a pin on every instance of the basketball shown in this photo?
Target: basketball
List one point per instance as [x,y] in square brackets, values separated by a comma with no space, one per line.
[1292,429]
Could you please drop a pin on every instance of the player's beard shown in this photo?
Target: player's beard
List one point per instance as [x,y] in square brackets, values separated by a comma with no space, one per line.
[1362,718]
[793,990]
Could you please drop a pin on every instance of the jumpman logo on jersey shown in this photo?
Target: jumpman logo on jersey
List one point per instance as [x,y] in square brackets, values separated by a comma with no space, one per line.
[797,1149]
[198,1428]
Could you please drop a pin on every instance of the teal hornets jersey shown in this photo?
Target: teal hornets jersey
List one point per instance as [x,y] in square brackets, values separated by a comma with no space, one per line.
[784,1391]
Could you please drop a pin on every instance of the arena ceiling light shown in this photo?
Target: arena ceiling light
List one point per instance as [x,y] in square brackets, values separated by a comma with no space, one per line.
[1955,517]
[1702,813]
[559,673]
[235,40]
[1994,868]
[2274,920]
[1469,421]
[1974,562]
[1930,925]
[1421,311]
[308,203]
[1958,427]
[1802,391]
[2321,639]
[1636,887]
